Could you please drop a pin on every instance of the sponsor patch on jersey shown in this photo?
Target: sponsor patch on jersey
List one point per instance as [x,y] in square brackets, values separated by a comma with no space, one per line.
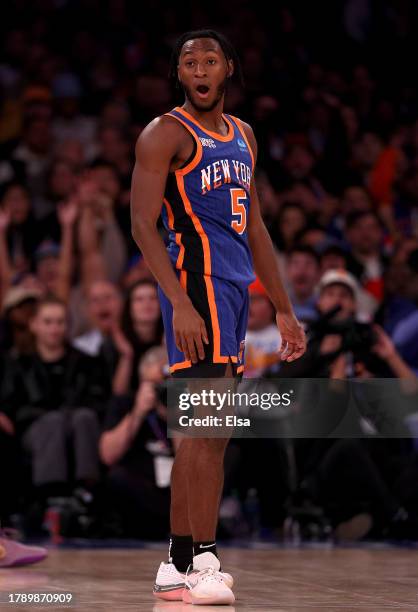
[241,144]
[208,142]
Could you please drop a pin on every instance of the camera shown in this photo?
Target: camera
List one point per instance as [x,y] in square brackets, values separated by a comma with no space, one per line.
[357,337]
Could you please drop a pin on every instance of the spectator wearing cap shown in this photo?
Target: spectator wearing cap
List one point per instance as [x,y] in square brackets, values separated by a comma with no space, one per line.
[302,277]
[330,352]
[262,340]
[18,307]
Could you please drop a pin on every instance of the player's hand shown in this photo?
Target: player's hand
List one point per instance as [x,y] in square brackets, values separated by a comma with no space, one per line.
[293,337]
[189,332]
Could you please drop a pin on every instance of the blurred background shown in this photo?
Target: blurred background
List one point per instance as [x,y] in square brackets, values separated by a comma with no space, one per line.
[331,92]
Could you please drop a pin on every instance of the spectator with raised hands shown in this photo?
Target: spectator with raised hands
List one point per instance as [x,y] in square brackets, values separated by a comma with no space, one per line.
[101,243]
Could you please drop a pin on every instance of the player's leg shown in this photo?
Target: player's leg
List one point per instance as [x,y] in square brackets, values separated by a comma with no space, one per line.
[204,498]
[207,585]
[169,583]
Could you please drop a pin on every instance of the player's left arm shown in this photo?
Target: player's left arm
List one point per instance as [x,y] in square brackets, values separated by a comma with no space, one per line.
[267,269]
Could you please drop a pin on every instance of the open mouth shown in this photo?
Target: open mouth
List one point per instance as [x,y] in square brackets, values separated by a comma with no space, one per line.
[203,91]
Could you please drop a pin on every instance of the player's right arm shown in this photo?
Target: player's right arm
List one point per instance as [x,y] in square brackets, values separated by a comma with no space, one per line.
[157,148]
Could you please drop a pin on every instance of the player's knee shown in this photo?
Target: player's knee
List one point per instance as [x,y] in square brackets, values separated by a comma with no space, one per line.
[211,446]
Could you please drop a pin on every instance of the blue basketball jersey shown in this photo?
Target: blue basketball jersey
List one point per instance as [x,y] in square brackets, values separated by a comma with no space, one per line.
[207,202]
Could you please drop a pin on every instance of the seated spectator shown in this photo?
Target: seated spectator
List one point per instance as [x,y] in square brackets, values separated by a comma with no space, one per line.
[11,552]
[290,220]
[104,307]
[262,340]
[141,329]
[58,392]
[22,233]
[366,259]
[135,447]
[302,276]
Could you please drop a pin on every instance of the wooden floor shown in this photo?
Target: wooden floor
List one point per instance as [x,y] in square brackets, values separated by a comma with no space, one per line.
[284,579]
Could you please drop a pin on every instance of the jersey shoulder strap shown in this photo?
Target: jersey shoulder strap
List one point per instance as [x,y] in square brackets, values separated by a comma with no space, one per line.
[196,156]
[241,129]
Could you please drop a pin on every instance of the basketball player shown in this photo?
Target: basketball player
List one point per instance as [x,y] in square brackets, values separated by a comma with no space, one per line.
[195,166]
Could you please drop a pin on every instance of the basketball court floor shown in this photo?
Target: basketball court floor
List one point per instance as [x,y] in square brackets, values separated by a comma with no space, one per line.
[299,579]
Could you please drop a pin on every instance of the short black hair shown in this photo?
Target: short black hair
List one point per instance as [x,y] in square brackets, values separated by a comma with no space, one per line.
[355,216]
[305,249]
[226,46]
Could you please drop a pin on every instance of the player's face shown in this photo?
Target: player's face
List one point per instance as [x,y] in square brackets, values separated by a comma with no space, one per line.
[203,71]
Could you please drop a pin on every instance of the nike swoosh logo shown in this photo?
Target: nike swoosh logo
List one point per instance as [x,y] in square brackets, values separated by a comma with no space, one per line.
[208,545]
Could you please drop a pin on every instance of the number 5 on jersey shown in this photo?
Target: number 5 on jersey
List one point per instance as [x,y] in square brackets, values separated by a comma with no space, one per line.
[238,209]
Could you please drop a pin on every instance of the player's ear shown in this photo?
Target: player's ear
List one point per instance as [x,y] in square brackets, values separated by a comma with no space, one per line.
[230,68]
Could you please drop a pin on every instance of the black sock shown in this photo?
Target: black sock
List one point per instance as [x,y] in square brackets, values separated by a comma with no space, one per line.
[201,547]
[180,551]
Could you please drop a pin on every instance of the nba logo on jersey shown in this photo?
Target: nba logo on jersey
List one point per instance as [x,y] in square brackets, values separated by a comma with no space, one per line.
[208,142]
[241,144]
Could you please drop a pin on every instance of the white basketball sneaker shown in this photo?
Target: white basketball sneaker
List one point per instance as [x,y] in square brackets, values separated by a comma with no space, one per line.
[169,583]
[205,584]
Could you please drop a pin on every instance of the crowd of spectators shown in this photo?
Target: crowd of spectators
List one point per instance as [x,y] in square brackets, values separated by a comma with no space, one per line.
[333,105]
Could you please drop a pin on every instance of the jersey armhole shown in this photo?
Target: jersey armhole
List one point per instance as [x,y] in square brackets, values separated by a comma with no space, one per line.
[196,154]
[239,125]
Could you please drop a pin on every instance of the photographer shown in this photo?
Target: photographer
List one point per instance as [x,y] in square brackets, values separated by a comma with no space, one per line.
[354,479]
[135,447]
[339,346]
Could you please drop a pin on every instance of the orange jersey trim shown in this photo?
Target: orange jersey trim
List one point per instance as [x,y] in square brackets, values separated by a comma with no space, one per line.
[198,155]
[180,173]
[180,366]
[244,135]
[215,135]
